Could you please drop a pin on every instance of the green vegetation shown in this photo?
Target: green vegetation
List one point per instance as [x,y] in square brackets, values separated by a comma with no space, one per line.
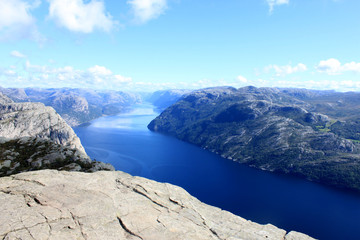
[322,129]
[28,154]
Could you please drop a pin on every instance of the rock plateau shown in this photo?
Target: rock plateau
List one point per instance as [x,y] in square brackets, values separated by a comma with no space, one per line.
[49,204]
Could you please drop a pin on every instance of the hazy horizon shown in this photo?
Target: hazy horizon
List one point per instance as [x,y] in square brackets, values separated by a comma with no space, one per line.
[145,91]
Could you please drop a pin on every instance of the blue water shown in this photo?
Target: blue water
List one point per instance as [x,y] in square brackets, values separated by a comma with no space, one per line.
[287,202]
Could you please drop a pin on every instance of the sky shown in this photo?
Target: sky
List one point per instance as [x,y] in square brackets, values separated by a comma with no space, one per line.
[148,45]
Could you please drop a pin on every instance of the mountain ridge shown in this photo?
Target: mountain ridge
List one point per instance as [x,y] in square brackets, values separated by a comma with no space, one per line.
[270,129]
[76,106]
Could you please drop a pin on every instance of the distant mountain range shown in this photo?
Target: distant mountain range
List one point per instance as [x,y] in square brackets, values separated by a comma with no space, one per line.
[165,98]
[312,134]
[76,106]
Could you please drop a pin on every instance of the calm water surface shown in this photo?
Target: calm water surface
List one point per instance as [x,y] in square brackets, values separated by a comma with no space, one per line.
[287,202]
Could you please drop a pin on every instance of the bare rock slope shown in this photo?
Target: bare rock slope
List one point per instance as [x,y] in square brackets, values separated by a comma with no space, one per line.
[49,204]
[287,131]
[35,120]
[34,137]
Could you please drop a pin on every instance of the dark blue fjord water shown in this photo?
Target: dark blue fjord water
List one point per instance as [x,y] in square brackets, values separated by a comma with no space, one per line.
[287,202]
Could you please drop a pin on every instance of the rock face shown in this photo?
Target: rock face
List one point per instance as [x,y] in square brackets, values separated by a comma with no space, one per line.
[287,131]
[4,99]
[34,137]
[50,204]
[19,120]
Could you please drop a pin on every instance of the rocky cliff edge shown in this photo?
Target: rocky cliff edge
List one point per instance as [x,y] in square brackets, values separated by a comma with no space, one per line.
[49,204]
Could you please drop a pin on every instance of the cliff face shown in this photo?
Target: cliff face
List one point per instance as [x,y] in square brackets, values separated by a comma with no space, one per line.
[114,205]
[276,130]
[4,99]
[34,119]
[34,137]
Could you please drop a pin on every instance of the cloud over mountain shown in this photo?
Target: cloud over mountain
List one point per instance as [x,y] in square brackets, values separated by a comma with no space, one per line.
[333,66]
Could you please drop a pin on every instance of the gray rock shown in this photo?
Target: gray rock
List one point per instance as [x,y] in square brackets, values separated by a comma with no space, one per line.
[4,99]
[19,120]
[273,130]
[114,205]
[34,137]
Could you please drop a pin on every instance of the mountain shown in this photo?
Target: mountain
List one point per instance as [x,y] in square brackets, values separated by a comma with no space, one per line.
[50,204]
[16,94]
[76,106]
[33,136]
[312,134]
[66,204]
[4,99]
[165,98]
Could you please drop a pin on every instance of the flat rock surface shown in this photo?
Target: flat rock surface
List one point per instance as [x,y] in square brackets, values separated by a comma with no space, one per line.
[52,204]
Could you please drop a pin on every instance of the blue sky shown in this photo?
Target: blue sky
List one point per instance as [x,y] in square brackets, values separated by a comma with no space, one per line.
[145,45]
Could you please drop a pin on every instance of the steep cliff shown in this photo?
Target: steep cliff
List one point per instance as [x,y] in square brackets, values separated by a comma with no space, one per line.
[114,205]
[271,129]
[35,120]
[34,137]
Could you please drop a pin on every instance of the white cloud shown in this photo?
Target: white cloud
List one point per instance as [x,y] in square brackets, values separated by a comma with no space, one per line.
[145,10]
[242,79]
[100,77]
[352,66]
[121,79]
[286,70]
[273,3]
[14,12]
[99,70]
[330,66]
[78,16]
[34,68]
[16,21]
[333,66]
[17,54]
[45,76]
[322,84]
